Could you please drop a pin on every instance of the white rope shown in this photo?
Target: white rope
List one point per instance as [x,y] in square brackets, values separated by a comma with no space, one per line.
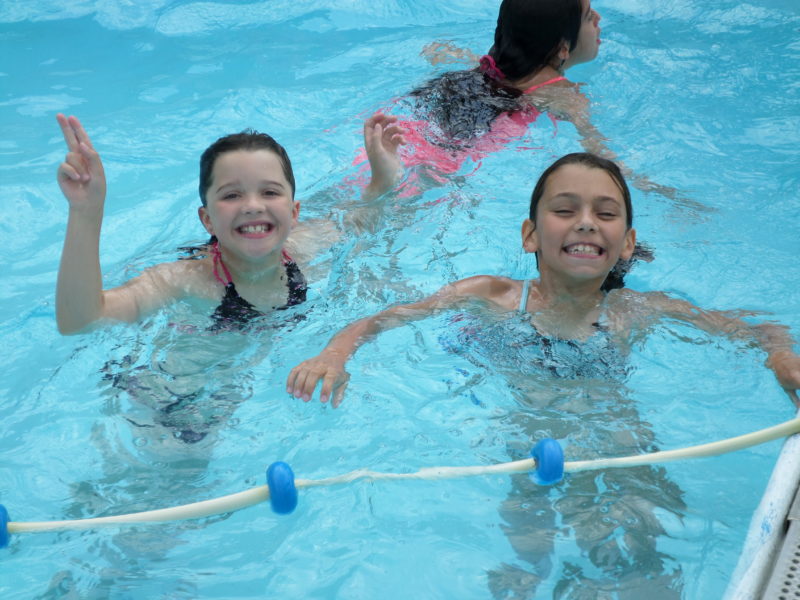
[259,494]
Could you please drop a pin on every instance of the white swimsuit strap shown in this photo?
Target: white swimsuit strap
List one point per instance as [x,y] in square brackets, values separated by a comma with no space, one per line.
[523,299]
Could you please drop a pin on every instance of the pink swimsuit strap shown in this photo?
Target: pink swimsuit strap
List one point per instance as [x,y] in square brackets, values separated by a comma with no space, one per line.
[216,255]
[548,82]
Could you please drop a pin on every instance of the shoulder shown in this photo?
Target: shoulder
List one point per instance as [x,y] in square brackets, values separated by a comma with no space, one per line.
[563,98]
[501,291]
[184,278]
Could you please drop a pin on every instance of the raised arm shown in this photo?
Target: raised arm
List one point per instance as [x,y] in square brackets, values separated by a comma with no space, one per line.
[329,365]
[774,339]
[80,299]
[81,177]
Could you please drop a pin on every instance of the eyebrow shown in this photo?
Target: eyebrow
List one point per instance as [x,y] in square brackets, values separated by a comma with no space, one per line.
[237,183]
[571,196]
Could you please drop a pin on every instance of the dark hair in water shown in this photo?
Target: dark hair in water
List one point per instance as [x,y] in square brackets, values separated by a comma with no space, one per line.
[529,33]
[246,140]
[527,39]
[615,278]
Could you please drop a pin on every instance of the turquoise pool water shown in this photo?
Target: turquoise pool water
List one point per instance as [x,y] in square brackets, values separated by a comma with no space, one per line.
[702,99]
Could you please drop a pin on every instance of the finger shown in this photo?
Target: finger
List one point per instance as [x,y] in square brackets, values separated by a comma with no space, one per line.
[290,379]
[68,132]
[374,136]
[370,122]
[78,164]
[80,132]
[338,394]
[295,380]
[309,385]
[328,385]
[66,171]
[92,158]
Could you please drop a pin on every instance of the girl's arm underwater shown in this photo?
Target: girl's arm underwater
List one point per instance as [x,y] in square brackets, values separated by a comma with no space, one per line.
[329,365]
[774,339]
[80,298]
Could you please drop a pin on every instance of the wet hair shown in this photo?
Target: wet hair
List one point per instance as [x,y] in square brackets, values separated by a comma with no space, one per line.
[249,140]
[527,38]
[529,33]
[615,278]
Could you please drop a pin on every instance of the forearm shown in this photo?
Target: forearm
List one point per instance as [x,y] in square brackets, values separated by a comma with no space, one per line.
[79,288]
[347,342]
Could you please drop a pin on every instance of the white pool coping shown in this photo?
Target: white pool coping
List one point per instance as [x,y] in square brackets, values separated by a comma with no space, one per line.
[767,527]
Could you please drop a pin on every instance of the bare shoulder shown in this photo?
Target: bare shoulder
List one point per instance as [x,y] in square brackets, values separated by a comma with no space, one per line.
[184,278]
[501,291]
[562,98]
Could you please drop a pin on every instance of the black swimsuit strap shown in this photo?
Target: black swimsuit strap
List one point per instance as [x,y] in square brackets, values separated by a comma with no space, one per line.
[233,309]
[297,284]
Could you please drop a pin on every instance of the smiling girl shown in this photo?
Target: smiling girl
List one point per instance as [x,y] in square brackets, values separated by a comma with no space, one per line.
[579,228]
[247,190]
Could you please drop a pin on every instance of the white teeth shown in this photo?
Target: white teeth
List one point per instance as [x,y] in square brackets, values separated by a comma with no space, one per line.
[254,228]
[584,249]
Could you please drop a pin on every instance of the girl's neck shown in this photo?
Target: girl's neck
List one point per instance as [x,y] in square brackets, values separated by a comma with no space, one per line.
[565,310]
[545,74]
[263,273]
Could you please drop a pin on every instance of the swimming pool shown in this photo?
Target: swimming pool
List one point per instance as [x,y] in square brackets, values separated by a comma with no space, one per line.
[155,82]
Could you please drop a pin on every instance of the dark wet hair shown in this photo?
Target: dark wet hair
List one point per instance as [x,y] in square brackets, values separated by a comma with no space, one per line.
[527,38]
[615,278]
[246,140]
[529,33]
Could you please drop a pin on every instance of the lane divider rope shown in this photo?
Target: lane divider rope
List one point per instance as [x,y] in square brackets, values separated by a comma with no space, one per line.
[546,466]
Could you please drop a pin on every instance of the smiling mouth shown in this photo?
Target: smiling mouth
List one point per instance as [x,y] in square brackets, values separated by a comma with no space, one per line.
[584,250]
[256,228]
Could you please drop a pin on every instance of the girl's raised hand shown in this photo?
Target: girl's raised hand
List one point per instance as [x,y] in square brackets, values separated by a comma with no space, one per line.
[80,176]
[382,137]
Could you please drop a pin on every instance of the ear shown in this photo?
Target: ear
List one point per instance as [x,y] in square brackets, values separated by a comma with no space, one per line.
[563,51]
[530,237]
[205,219]
[629,245]
[295,212]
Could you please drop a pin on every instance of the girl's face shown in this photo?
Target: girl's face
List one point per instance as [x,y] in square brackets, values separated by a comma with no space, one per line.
[588,42]
[580,231]
[249,204]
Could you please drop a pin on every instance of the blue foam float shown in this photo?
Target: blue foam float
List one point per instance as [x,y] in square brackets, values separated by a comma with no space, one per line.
[549,459]
[282,491]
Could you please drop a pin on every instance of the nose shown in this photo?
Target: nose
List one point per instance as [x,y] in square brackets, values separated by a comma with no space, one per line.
[585,223]
[252,204]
